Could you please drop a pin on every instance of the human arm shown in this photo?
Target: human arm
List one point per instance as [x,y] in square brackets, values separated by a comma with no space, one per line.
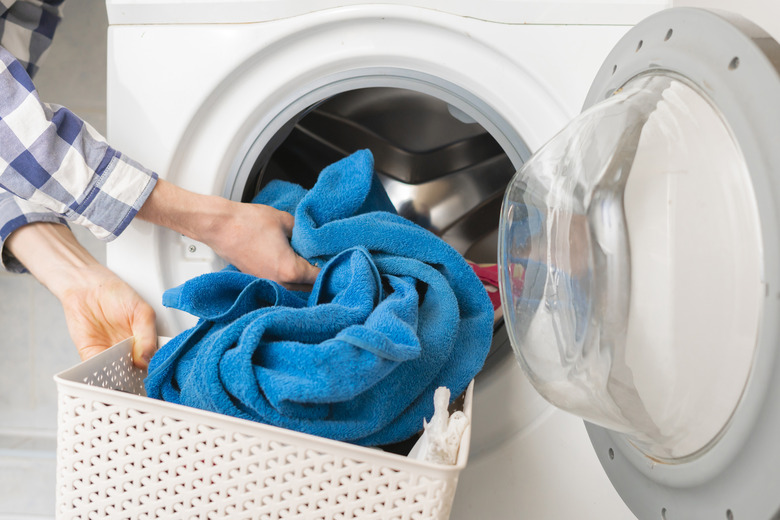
[100,308]
[33,231]
[252,237]
[15,213]
[67,170]
[48,156]
[51,157]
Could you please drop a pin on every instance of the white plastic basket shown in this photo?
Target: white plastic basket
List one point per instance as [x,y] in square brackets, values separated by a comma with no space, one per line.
[122,455]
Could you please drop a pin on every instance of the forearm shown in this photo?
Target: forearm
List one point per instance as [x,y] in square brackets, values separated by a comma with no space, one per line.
[14,214]
[252,237]
[100,309]
[197,216]
[52,255]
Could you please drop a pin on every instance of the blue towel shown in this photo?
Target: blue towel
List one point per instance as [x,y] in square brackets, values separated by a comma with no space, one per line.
[394,314]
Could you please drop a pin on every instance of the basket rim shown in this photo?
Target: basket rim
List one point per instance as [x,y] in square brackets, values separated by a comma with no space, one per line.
[66,379]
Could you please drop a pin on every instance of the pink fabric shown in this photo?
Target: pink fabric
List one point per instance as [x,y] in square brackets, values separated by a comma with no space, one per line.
[488,274]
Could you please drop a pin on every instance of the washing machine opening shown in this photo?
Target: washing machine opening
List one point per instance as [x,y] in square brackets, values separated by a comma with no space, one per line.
[440,168]
[631,268]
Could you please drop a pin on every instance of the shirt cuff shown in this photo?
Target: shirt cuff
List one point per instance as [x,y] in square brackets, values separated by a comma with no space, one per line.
[115,199]
[15,213]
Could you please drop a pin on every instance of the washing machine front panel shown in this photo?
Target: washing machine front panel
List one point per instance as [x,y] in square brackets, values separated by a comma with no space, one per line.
[213,92]
[209,97]
[638,262]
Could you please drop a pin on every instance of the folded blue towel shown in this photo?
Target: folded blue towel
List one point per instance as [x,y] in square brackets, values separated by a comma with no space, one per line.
[394,314]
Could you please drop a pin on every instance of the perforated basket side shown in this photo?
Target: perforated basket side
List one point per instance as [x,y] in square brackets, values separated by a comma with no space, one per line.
[127,456]
[112,368]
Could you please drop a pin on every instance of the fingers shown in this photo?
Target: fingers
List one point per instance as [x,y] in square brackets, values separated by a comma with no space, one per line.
[302,272]
[287,222]
[86,352]
[255,238]
[291,270]
[306,273]
[143,350]
[144,336]
[102,310]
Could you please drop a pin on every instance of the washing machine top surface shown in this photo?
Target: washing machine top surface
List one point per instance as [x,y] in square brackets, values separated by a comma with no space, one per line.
[638,252]
[588,12]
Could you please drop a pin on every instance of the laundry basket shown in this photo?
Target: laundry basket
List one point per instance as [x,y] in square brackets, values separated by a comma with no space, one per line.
[122,455]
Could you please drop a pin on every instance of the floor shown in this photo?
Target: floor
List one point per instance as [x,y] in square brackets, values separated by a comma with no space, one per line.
[35,344]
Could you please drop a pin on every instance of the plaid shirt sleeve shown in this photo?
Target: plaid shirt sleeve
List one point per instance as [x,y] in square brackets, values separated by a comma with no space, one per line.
[57,164]
[15,213]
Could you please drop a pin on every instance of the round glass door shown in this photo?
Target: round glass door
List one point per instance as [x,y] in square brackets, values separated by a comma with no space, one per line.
[630,258]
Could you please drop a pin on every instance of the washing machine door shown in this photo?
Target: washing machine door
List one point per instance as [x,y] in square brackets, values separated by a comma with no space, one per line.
[640,267]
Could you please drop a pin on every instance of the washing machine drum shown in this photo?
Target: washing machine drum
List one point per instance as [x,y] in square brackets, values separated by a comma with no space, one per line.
[639,265]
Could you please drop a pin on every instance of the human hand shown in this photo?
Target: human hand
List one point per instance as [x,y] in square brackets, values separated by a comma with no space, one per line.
[255,239]
[252,237]
[100,309]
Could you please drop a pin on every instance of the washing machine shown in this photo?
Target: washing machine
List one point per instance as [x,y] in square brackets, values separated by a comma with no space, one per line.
[457,101]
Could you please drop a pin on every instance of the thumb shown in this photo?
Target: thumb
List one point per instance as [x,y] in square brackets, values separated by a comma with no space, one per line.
[87,351]
[144,336]
[307,273]
[287,222]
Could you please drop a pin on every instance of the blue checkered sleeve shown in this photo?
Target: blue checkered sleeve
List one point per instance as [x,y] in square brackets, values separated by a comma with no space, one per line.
[54,160]
[15,213]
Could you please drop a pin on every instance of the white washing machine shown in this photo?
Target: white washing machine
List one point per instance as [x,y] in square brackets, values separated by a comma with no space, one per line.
[452,98]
